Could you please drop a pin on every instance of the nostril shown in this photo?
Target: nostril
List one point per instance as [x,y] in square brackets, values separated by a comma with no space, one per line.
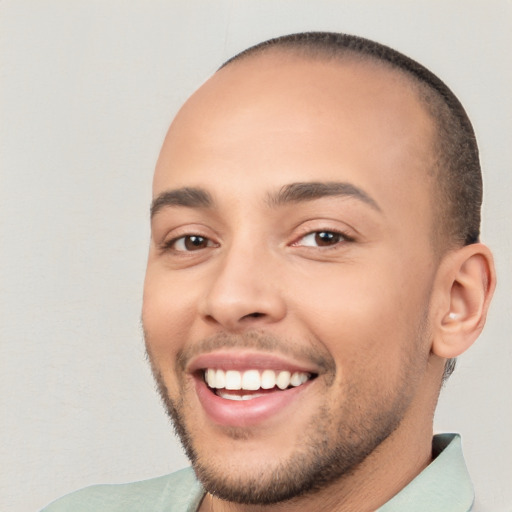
[254,315]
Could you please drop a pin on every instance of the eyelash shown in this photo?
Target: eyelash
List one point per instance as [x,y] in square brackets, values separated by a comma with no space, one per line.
[345,238]
[170,245]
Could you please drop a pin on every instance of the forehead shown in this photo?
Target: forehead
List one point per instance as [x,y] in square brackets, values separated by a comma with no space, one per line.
[277,118]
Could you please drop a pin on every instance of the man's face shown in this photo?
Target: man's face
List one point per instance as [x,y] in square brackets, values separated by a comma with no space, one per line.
[291,238]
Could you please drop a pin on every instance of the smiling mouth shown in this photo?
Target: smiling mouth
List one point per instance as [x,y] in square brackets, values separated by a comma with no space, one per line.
[250,384]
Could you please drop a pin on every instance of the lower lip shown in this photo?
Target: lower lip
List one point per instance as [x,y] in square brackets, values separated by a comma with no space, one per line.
[245,413]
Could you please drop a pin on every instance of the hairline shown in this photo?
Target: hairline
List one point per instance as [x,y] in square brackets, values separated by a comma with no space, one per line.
[436,99]
[441,240]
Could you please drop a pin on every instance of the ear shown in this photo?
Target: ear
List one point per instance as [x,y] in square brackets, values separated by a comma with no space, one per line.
[463,290]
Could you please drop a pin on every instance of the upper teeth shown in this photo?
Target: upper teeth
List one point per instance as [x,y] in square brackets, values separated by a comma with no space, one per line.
[252,380]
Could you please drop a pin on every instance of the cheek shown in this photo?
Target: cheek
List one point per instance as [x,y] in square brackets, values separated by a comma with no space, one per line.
[367,318]
[167,315]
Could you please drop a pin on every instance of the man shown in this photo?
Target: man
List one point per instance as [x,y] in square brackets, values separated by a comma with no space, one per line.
[314,270]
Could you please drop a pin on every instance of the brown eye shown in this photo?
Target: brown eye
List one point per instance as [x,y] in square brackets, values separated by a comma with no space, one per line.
[321,239]
[194,242]
[190,243]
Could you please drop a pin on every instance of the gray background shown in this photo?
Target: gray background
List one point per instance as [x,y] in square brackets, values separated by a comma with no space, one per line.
[87,90]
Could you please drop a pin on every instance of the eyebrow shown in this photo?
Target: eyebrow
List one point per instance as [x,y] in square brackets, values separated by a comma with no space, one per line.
[189,197]
[309,191]
[194,197]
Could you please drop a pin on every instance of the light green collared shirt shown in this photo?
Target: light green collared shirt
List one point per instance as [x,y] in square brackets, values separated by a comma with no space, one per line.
[443,486]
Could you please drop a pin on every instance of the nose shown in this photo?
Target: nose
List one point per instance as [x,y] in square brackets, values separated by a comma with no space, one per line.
[244,290]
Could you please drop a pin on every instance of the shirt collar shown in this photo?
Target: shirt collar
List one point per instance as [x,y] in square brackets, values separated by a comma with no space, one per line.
[443,485]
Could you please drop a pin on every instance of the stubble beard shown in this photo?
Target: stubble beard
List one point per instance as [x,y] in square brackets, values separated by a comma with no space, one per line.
[327,454]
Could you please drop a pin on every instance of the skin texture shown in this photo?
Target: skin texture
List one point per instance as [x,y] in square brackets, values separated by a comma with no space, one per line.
[367,312]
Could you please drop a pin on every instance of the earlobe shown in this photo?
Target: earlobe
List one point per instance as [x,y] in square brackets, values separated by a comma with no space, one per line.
[466,282]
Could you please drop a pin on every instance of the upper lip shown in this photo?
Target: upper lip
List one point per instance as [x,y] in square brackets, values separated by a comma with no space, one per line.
[248,360]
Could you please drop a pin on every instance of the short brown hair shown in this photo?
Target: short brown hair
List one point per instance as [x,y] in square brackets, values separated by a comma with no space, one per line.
[459,197]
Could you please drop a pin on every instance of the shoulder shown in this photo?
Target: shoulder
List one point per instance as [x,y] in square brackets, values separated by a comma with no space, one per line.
[177,492]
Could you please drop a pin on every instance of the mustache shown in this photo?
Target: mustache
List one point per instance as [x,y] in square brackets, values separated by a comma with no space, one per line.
[259,341]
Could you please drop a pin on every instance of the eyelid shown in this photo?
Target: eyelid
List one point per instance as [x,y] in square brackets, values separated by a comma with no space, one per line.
[171,244]
[345,238]
[323,225]
[167,241]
